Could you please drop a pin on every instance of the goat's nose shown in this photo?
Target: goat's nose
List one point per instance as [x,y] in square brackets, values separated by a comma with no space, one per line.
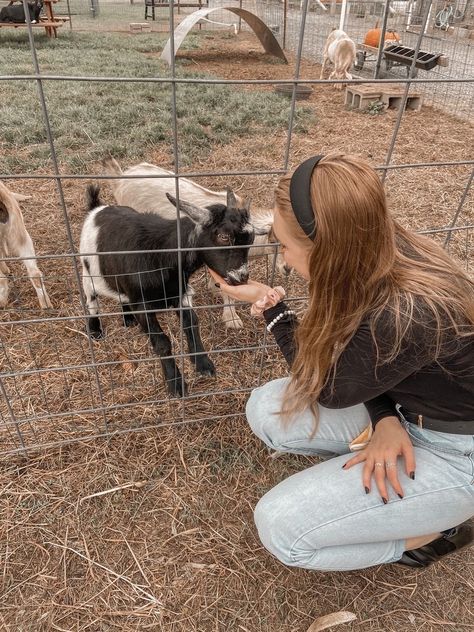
[244,277]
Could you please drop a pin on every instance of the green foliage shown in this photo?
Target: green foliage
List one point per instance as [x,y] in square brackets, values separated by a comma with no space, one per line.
[375,108]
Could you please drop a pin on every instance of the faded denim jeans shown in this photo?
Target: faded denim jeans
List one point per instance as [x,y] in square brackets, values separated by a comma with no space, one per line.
[322,519]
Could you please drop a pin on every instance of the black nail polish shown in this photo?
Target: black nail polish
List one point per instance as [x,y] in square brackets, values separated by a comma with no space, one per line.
[217,284]
[412,476]
[367,490]
[399,495]
[344,466]
[385,501]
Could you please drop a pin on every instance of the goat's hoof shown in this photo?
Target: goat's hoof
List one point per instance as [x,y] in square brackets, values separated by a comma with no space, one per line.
[234,323]
[177,388]
[205,367]
[129,320]
[96,334]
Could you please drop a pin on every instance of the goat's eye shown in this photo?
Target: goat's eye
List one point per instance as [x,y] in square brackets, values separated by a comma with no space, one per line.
[223,238]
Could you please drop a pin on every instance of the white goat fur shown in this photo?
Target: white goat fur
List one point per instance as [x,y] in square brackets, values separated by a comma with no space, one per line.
[16,242]
[340,50]
[149,194]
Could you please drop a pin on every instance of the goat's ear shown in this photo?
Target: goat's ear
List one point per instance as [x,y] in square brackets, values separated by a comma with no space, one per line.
[261,230]
[246,206]
[3,213]
[231,200]
[196,213]
[262,224]
[19,197]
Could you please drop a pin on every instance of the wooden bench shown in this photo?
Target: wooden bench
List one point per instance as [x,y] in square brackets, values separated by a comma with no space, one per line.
[49,26]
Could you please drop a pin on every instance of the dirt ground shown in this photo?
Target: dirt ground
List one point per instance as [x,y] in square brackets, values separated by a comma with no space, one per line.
[153,530]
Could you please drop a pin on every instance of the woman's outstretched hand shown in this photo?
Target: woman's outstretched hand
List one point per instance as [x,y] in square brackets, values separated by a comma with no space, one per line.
[250,292]
[389,441]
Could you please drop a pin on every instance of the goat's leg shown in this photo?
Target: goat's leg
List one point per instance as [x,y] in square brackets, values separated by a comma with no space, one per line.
[94,327]
[3,264]
[162,347]
[202,362]
[4,270]
[3,289]
[229,315]
[323,67]
[128,316]
[25,248]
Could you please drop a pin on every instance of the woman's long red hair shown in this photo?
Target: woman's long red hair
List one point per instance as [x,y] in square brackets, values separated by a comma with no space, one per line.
[363,263]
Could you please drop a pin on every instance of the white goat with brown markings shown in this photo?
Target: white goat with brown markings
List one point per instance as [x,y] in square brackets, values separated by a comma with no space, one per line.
[16,242]
[341,51]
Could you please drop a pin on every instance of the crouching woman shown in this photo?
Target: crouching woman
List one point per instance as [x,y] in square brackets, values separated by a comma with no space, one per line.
[382,366]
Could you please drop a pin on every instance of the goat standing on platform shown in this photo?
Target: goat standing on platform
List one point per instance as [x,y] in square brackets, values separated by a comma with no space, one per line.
[341,51]
[148,280]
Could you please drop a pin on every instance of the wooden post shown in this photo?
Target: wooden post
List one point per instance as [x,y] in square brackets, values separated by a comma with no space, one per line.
[285,11]
[69,15]
[343,15]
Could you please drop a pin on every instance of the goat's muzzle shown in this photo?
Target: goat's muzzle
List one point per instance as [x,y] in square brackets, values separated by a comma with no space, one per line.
[237,277]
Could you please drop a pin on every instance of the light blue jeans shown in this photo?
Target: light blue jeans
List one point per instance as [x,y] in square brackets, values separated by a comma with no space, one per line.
[322,519]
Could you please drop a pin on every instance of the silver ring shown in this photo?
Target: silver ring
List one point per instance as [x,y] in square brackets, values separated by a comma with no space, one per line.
[387,465]
[379,465]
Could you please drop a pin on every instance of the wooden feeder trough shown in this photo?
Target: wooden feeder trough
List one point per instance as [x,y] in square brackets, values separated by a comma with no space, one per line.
[302,91]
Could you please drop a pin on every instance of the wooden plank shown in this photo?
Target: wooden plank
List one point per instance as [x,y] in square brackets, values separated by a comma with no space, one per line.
[16,25]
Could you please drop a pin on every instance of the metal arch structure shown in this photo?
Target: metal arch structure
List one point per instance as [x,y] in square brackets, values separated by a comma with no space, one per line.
[261,30]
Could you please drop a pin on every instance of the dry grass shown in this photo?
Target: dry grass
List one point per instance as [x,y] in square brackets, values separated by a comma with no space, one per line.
[153,530]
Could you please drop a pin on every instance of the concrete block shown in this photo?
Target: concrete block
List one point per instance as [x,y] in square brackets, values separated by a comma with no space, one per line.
[393,100]
[360,99]
[140,27]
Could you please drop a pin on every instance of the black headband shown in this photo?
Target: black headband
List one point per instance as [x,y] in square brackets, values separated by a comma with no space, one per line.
[300,195]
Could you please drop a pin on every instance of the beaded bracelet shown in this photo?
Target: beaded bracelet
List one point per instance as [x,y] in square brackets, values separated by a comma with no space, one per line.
[272,323]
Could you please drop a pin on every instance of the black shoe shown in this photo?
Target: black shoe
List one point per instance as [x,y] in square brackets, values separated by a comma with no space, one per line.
[450,541]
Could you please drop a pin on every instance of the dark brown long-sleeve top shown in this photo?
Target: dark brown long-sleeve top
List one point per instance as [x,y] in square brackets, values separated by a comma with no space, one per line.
[438,387]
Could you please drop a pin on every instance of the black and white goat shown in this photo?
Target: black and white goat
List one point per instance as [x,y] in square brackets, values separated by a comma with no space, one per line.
[145,282]
[149,195]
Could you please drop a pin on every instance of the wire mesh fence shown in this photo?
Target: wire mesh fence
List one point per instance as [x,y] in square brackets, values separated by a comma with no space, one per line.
[60,386]
[455,42]
[117,15]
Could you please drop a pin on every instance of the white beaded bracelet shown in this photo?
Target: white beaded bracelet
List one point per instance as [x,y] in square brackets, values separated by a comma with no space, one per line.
[272,323]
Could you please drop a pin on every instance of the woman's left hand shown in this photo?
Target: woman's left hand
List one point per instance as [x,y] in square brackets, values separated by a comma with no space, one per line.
[389,441]
[250,292]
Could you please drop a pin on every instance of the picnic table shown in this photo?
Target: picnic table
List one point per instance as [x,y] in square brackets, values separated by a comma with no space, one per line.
[49,22]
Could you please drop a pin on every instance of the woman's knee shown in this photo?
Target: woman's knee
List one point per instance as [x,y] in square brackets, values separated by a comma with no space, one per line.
[261,407]
[279,525]
[271,530]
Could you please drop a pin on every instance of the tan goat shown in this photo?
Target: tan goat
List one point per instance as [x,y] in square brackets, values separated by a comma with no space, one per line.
[16,242]
[341,51]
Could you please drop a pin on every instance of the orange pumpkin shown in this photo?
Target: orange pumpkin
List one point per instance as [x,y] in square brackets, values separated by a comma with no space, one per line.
[372,37]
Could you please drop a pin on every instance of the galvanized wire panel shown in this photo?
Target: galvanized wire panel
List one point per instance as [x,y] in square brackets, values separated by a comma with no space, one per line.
[57,385]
